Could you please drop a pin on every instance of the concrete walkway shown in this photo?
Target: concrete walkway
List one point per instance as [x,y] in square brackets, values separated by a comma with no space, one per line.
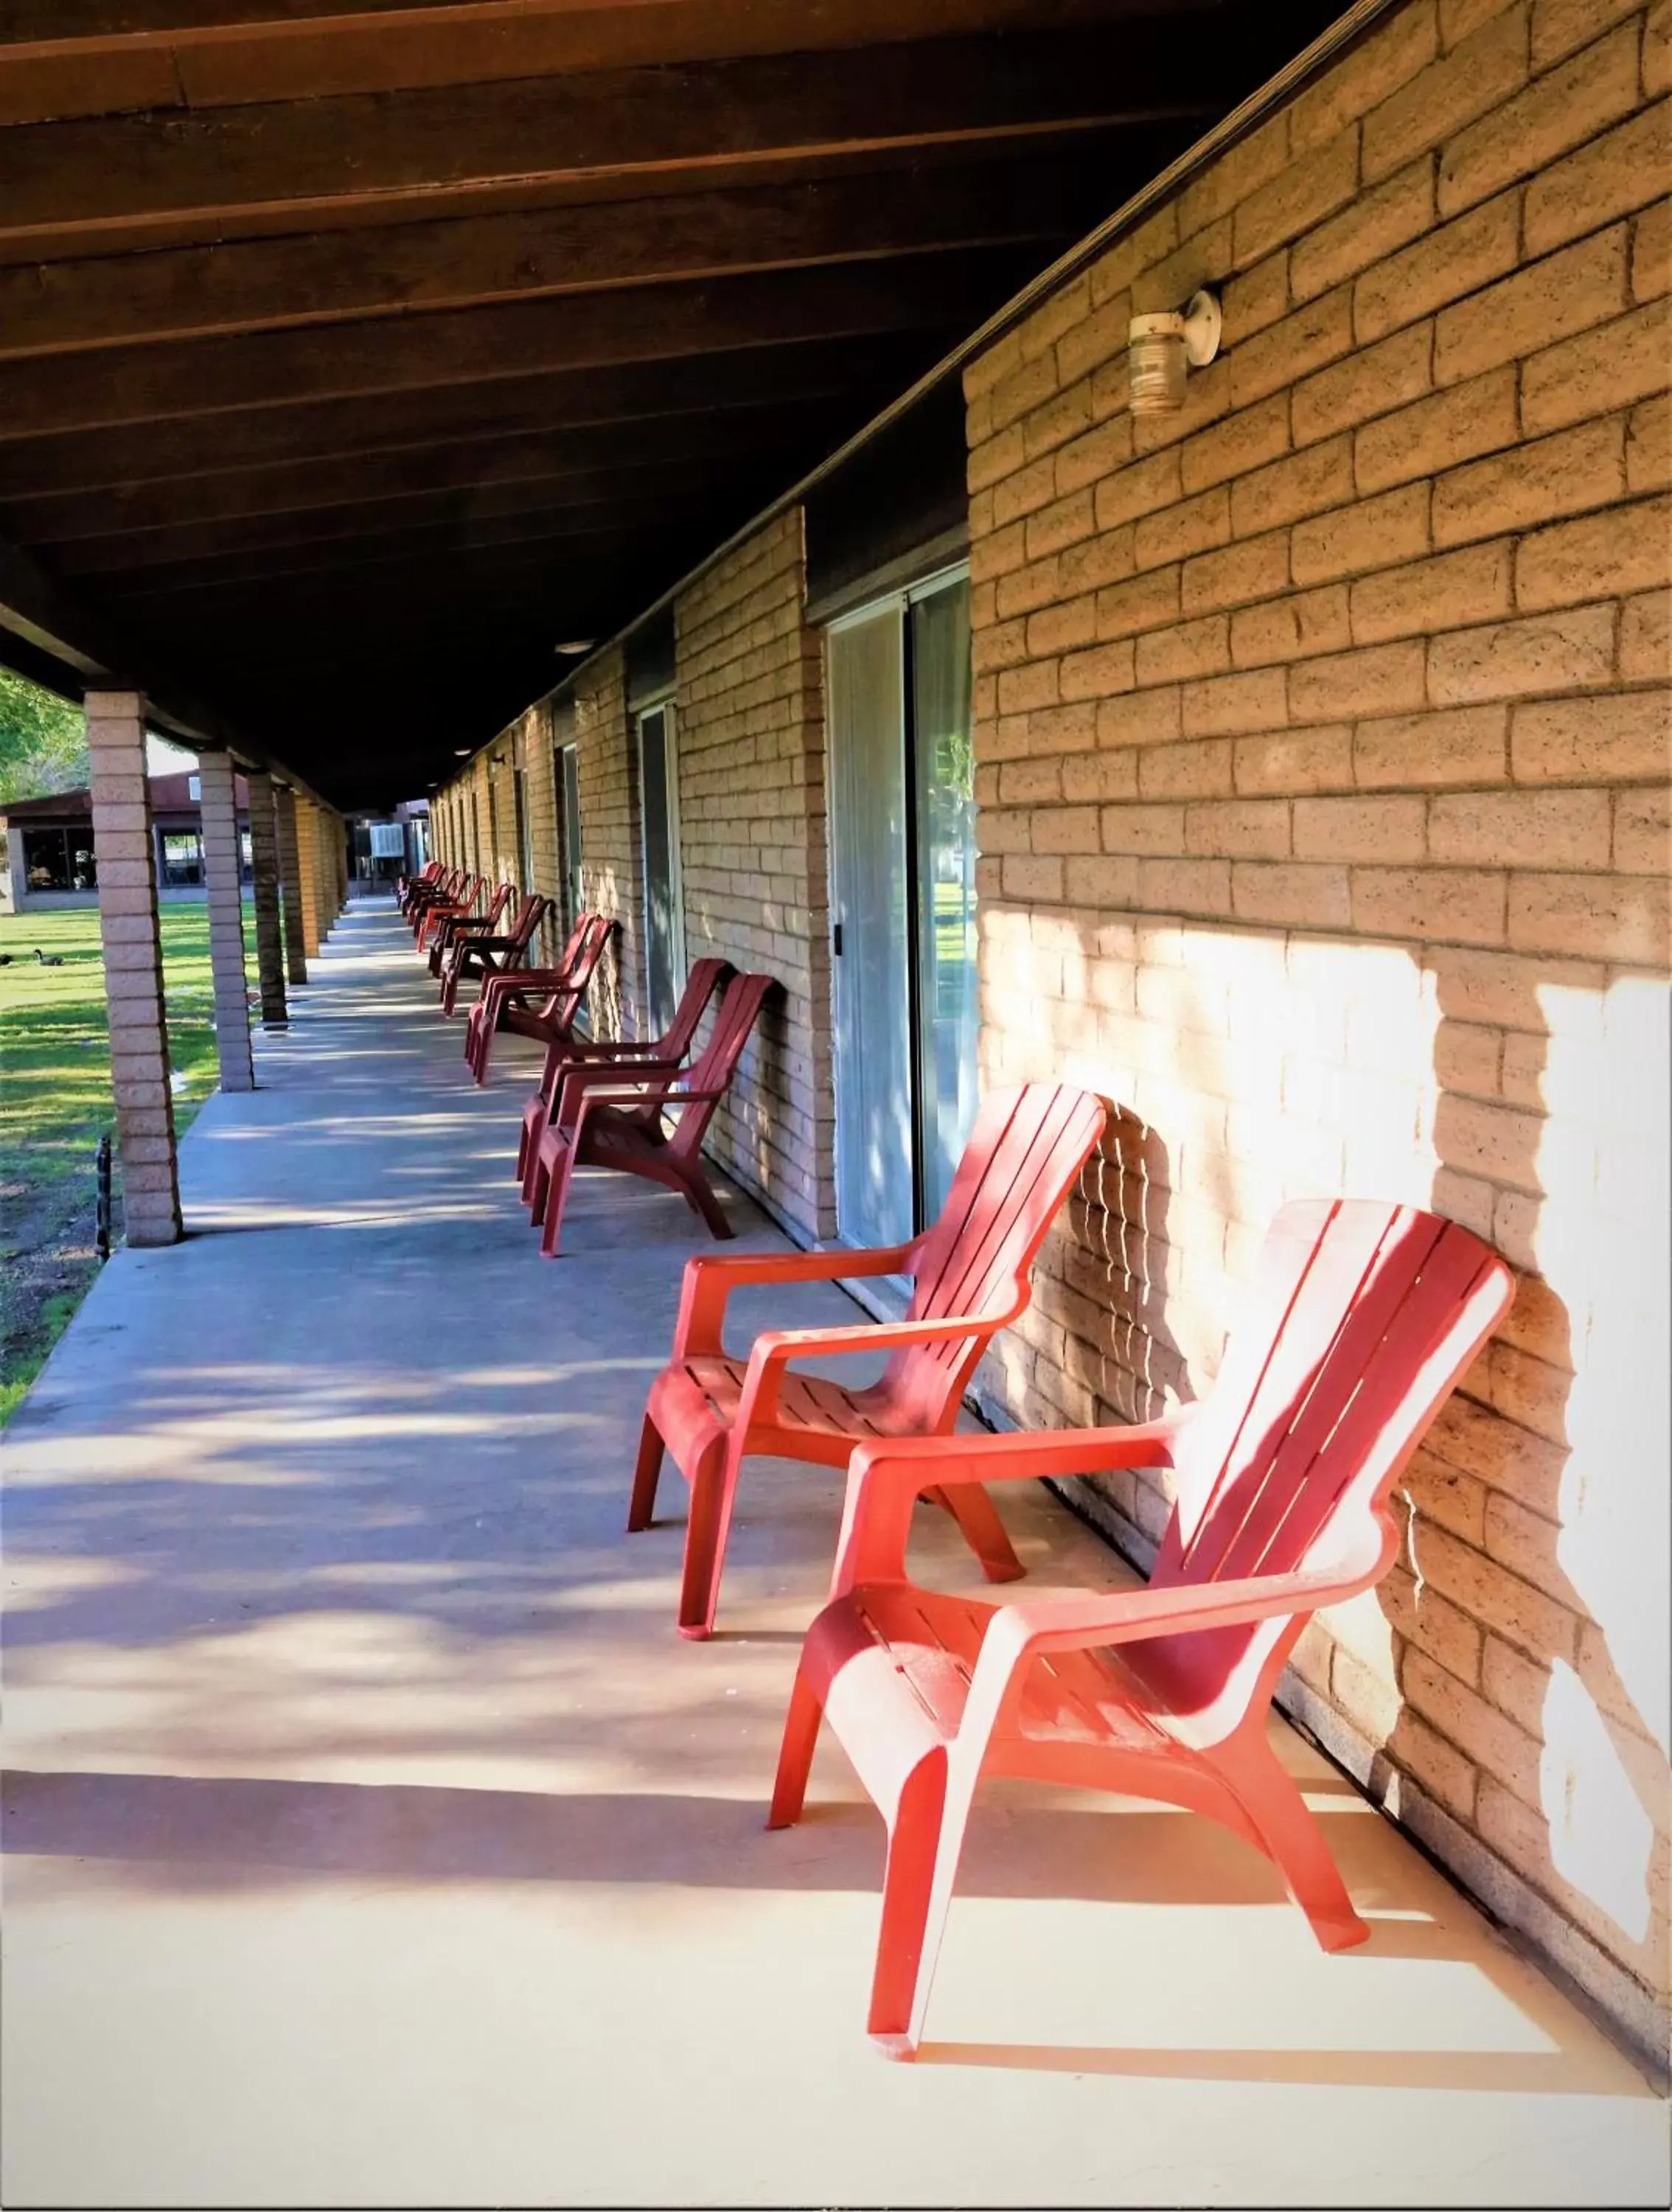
[374,1841]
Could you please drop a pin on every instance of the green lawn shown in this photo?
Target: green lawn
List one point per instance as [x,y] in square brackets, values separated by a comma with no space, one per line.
[55,1104]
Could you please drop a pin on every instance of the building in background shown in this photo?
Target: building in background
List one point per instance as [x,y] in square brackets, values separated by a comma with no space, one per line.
[50,860]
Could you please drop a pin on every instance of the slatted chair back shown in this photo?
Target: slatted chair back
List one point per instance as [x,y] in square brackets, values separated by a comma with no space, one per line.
[712,1071]
[1021,1159]
[585,949]
[706,977]
[528,917]
[1361,1314]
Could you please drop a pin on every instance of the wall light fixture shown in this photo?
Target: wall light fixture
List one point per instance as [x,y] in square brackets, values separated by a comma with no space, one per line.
[1158,348]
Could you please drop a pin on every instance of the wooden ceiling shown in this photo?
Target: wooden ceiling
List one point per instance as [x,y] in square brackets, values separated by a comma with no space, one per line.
[351,358]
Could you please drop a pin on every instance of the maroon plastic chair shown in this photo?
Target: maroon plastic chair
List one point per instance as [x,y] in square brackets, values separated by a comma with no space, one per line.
[603,1118]
[631,1059]
[444,933]
[475,952]
[507,1002]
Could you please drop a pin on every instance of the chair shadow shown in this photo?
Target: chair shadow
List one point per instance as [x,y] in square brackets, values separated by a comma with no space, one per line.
[173,1835]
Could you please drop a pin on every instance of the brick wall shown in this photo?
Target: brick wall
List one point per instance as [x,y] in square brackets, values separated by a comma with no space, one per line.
[1323,748]
[750,719]
[612,866]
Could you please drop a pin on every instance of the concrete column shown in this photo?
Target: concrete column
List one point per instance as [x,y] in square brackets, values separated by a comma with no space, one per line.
[264,865]
[133,941]
[290,882]
[219,799]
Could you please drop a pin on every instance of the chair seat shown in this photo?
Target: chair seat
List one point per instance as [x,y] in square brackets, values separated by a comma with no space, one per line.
[892,1664]
[695,1401]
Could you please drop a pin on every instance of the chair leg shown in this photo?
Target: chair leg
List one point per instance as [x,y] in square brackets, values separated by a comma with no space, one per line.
[484,1046]
[1270,1797]
[541,1170]
[700,1193]
[646,1475]
[924,1840]
[801,1723]
[556,1198]
[714,1482]
[978,1518]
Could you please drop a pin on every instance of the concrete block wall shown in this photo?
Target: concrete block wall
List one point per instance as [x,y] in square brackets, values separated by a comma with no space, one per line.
[611,868]
[1323,738]
[750,719]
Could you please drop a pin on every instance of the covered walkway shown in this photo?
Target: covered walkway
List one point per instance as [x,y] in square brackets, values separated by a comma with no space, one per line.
[371,1838]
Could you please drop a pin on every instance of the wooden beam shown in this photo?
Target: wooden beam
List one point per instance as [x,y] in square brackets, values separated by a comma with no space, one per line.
[598,500]
[64,186]
[611,454]
[339,275]
[159,53]
[863,369]
[470,345]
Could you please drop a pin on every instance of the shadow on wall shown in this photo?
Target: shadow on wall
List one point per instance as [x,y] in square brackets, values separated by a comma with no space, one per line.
[1515,1663]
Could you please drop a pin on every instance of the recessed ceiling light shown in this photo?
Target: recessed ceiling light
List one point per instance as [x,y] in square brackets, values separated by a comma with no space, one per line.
[461,752]
[576,645]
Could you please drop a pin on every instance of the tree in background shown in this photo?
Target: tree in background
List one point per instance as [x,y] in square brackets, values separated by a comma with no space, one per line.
[43,741]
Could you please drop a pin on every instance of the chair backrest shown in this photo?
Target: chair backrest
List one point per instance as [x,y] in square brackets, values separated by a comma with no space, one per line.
[503,894]
[739,1011]
[1020,1162]
[580,956]
[530,915]
[1361,1316]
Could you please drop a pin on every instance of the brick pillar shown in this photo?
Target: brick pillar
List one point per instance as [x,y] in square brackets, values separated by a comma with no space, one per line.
[307,862]
[132,940]
[342,829]
[290,882]
[226,920]
[265,867]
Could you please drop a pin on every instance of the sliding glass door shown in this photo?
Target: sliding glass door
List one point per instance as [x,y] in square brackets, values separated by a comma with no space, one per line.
[869,936]
[903,905]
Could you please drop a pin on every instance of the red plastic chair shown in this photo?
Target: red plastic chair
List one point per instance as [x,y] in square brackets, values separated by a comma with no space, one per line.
[435,883]
[444,932]
[1364,1315]
[406,885]
[970,1272]
[630,1059]
[604,1117]
[480,952]
[448,890]
[435,912]
[507,1002]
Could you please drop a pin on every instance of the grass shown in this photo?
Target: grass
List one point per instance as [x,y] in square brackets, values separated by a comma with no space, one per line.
[55,1104]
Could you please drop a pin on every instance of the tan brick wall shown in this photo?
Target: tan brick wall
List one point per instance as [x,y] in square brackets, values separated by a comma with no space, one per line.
[749,721]
[611,869]
[1322,743]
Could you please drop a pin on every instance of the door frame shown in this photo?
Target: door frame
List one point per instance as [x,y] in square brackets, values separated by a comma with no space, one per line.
[900,601]
[664,705]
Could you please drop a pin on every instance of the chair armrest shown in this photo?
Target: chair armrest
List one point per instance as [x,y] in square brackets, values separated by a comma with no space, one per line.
[773,1349]
[885,1480]
[711,1277]
[1017,1634]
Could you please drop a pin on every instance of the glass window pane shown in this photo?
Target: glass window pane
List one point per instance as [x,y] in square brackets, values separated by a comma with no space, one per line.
[45,860]
[873,1087]
[182,858]
[949,1011]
